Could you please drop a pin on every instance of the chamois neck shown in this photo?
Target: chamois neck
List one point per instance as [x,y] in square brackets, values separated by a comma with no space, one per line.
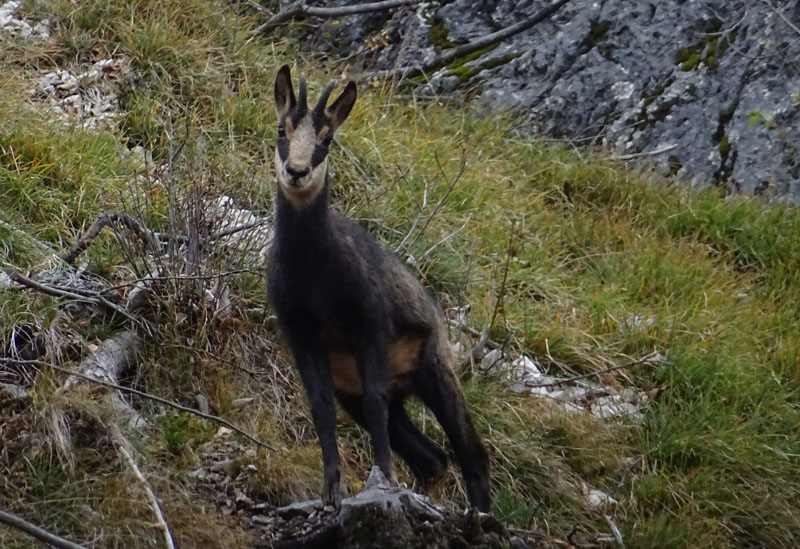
[303,229]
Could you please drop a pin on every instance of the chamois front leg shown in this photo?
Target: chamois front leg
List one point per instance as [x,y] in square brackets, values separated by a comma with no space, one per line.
[372,366]
[310,361]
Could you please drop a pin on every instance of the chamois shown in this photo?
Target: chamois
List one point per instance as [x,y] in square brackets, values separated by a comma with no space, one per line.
[358,322]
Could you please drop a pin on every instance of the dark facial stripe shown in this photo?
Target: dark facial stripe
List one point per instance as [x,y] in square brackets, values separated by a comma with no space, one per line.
[283,149]
[319,154]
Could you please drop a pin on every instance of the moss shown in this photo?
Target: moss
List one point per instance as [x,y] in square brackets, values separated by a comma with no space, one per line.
[465,72]
[711,52]
[438,34]
[464,59]
[706,52]
[691,63]
[724,147]
[675,165]
[682,55]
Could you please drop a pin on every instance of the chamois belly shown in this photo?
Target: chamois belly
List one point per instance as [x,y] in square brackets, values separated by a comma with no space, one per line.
[402,360]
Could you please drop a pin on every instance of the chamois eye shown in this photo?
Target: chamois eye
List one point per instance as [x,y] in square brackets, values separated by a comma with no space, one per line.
[281,131]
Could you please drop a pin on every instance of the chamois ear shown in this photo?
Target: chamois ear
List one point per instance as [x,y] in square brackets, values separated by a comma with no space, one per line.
[284,94]
[338,112]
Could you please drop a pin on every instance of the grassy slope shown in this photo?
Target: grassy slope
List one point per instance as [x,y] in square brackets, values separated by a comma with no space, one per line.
[719,447]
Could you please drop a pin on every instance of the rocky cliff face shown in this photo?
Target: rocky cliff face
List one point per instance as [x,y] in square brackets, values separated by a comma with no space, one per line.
[712,84]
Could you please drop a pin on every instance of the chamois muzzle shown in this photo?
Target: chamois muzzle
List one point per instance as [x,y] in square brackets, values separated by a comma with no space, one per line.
[296,175]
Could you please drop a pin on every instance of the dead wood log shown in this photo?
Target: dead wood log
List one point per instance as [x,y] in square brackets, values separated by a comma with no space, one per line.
[105,364]
[449,56]
[299,9]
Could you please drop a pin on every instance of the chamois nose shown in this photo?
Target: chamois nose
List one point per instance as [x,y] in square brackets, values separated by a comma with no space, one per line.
[297,174]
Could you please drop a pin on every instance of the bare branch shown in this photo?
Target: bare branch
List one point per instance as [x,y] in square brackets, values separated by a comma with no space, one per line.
[92,297]
[34,531]
[782,16]
[110,218]
[478,44]
[643,154]
[124,448]
[470,331]
[165,402]
[498,304]
[300,8]
[178,278]
[649,359]
[238,228]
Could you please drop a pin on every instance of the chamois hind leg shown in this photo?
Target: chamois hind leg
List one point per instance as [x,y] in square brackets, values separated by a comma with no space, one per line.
[437,386]
[426,460]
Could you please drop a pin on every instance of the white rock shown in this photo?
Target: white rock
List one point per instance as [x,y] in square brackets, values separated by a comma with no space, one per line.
[491,359]
[601,501]
[526,364]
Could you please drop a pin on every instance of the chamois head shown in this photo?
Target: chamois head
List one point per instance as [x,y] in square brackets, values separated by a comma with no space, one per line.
[301,157]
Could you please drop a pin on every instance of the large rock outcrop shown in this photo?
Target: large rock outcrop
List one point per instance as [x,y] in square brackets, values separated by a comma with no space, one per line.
[713,83]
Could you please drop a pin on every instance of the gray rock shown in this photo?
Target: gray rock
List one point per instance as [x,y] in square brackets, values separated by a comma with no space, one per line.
[718,79]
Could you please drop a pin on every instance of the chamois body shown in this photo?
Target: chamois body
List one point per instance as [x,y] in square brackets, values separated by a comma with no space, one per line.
[360,325]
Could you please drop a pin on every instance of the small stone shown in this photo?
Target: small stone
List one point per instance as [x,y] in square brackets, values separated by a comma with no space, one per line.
[261,519]
[601,501]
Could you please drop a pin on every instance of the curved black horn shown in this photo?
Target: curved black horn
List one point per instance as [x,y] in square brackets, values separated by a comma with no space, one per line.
[302,99]
[323,98]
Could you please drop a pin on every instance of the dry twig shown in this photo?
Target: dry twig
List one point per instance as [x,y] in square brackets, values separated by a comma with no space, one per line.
[110,218]
[91,297]
[644,153]
[649,359]
[300,8]
[166,402]
[125,450]
[470,331]
[478,44]
[32,530]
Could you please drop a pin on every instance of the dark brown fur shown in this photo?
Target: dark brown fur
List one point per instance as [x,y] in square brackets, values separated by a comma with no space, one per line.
[360,325]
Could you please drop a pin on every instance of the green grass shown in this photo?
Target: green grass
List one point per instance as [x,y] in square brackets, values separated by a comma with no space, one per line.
[718,456]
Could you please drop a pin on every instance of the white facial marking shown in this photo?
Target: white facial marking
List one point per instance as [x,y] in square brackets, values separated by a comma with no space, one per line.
[301,190]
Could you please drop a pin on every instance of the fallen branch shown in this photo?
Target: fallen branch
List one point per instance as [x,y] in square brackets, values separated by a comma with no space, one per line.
[470,331]
[780,14]
[649,359]
[32,530]
[169,403]
[110,218]
[106,363]
[123,446]
[478,44]
[300,8]
[632,156]
[91,297]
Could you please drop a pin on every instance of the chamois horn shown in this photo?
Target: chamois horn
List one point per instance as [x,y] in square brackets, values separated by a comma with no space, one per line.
[323,98]
[302,102]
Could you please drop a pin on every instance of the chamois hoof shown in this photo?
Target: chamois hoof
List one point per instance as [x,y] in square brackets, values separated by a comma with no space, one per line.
[333,490]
